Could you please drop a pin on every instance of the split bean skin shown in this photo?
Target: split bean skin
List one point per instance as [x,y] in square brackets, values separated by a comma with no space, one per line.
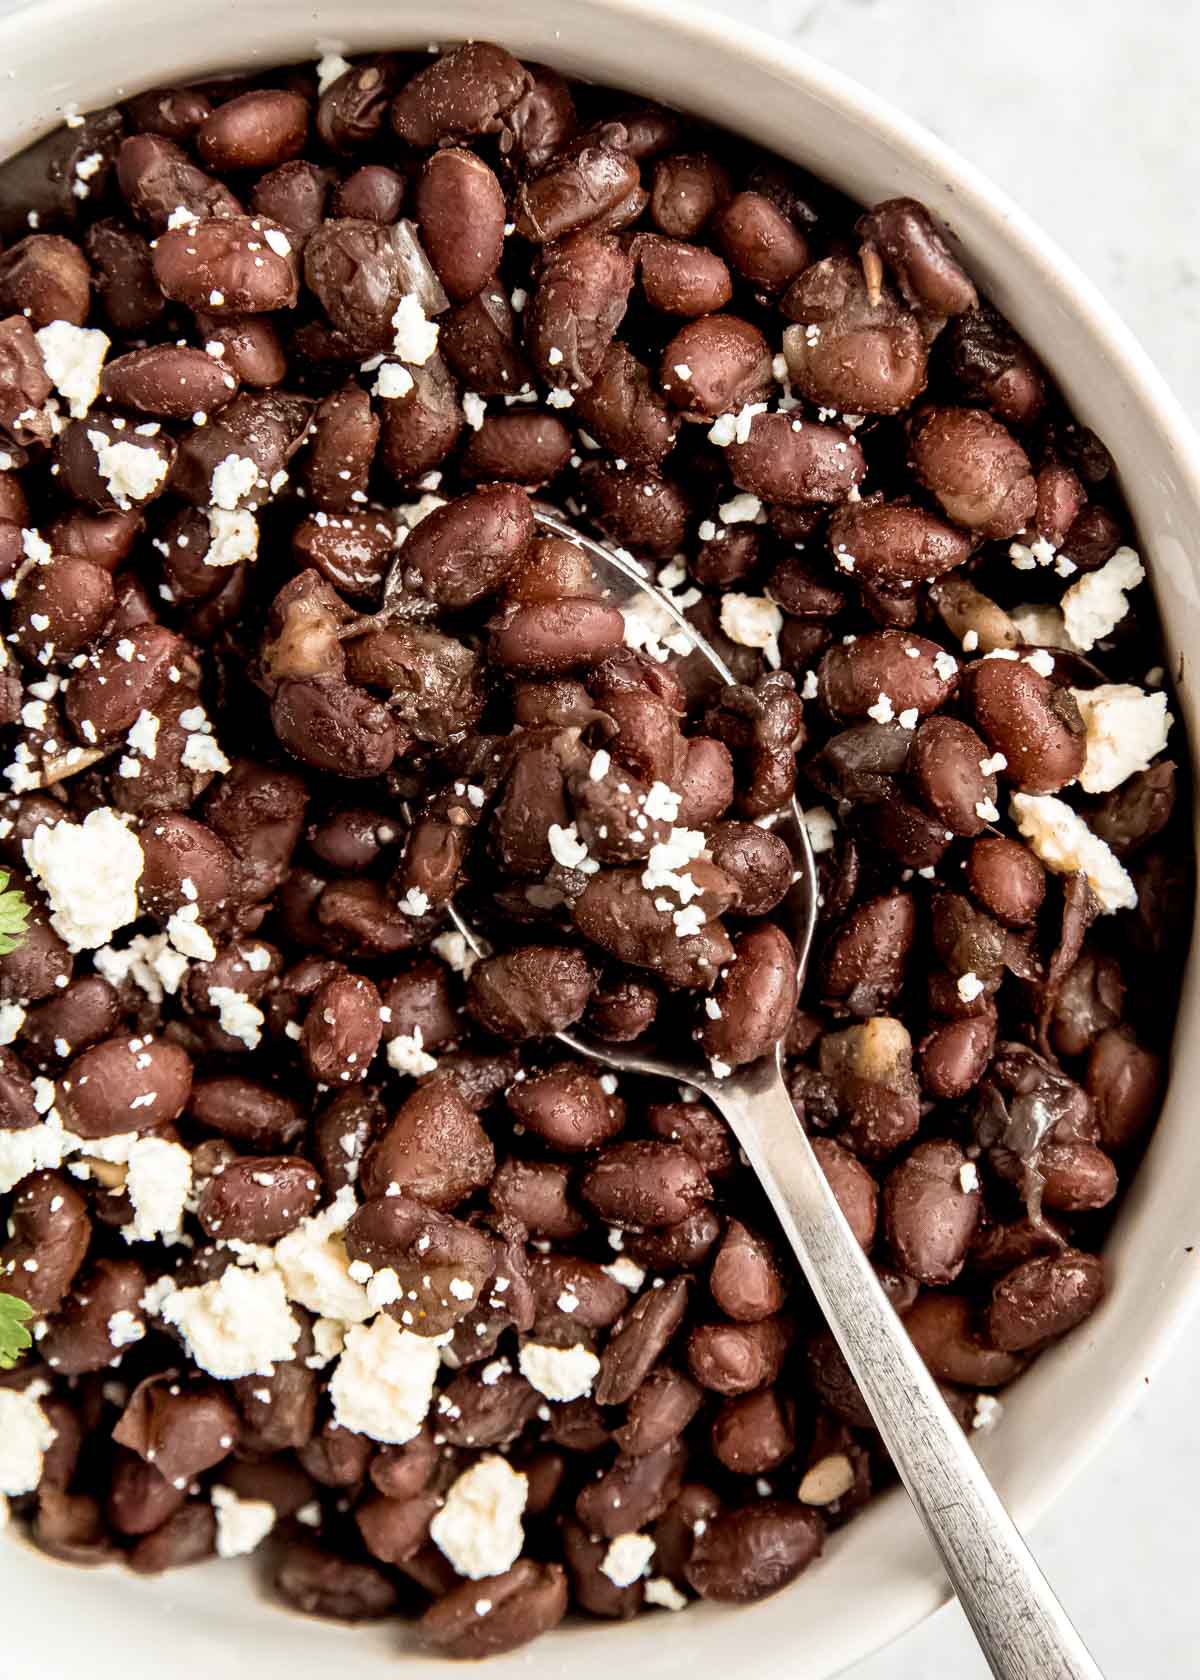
[310,1207]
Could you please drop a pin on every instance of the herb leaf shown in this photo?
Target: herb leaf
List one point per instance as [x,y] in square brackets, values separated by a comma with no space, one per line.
[14,1337]
[13,913]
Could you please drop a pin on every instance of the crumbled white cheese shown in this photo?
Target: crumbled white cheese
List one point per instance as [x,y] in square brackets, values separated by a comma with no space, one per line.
[12,1019]
[278,241]
[416,338]
[158,1179]
[31,1150]
[1094,606]
[393,380]
[202,754]
[149,960]
[26,1435]
[454,951]
[569,850]
[237,1326]
[754,622]
[626,1272]
[1040,625]
[969,986]
[662,802]
[945,664]
[1041,662]
[132,473]
[89,872]
[1066,845]
[1026,557]
[383,1382]
[988,1411]
[968,1177]
[406,1053]
[667,863]
[239,1016]
[1126,729]
[232,479]
[474,410]
[627,1558]
[329,1338]
[143,736]
[479,1527]
[315,1268]
[650,628]
[559,1373]
[881,711]
[188,937]
[242,1524]
[331,66]
[664,1593]
[232,536]
[73,357]
[742,509]
[125,1328]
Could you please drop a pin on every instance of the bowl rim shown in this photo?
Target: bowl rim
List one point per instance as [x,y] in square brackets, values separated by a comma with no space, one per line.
[1151,1335]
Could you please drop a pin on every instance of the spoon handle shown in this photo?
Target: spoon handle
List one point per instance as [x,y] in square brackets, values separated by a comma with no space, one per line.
[1021,1627]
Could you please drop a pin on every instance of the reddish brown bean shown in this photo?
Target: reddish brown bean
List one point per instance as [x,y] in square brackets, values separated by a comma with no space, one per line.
[748,1554]
[639,1341]
[463,93]
[931,1206]
[1045,1298]
[537,990]
[754,999]
[228,266]
[944,1333]
[1007,880]
[434,1149]
[645,1185]
[460,206]
[727,362]
[975,468]
[258,1199]
[527,1600]
[567,1107]
[1032,722]
[856,1191]
[754,1433]
[125,1084]
[254,130]
[737,1358]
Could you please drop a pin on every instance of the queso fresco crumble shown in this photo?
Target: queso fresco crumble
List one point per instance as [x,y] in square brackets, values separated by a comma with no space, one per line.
[335,1257]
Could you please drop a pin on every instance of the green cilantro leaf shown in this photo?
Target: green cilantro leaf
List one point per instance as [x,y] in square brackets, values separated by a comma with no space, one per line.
[13,911]
[14,1337]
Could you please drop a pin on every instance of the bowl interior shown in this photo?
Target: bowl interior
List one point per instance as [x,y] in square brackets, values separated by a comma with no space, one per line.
[879,1577]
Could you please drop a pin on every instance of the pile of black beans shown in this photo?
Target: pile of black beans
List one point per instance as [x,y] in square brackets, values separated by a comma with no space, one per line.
[334,1254]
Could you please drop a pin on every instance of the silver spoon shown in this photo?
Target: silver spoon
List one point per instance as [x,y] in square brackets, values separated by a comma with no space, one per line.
[1022,1629]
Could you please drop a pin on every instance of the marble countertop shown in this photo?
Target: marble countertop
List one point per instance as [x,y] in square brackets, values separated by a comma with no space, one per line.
[1086,112]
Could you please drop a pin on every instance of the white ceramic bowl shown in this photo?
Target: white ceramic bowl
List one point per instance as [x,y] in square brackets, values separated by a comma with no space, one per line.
[877,1578]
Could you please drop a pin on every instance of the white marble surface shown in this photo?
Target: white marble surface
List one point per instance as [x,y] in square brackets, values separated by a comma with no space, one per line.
[1086,111]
